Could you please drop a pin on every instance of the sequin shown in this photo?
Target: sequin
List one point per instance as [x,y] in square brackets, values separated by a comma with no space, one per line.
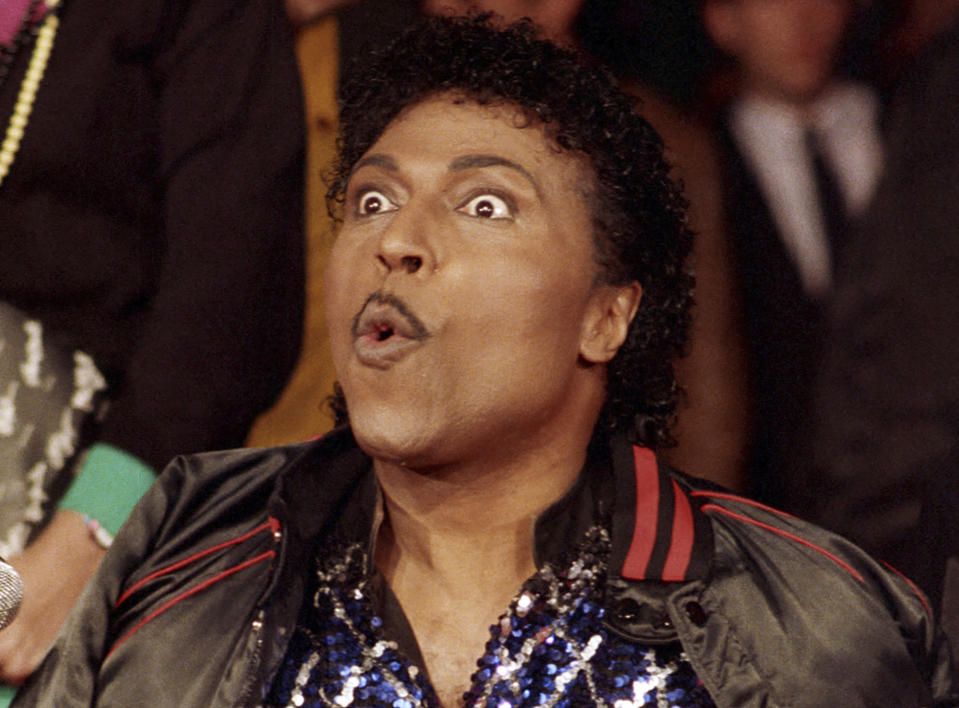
[549,649]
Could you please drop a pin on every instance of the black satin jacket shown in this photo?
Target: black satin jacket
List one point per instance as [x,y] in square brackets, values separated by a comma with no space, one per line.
[196,600]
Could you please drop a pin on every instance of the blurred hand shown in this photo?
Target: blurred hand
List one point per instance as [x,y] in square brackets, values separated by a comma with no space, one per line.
[54,570]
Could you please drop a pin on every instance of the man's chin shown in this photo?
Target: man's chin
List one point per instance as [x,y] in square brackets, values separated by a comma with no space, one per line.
[393,444]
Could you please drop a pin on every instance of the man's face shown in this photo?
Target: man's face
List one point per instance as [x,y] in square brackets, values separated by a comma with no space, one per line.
[787,48]
[460,286]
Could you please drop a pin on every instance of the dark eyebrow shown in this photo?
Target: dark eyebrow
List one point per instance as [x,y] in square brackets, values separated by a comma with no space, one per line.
[465,162]
[376,160]
[469,161]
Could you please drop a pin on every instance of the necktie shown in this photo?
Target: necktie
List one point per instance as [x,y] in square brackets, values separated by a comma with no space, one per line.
[831,202]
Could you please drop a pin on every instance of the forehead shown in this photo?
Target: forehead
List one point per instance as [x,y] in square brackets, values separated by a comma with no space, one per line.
[448,126]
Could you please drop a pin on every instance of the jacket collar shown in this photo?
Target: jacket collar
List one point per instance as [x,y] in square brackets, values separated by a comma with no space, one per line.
[662,535]
[662,545]
[658,532]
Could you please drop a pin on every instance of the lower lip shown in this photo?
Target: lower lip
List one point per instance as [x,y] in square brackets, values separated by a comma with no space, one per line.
[381,354]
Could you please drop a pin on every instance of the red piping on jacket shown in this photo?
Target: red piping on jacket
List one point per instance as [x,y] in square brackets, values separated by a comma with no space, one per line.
[785,534]
[192,591]
[912,586]
[271,525]
[737,498]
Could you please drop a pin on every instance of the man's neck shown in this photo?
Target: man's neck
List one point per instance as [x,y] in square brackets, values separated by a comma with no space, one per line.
[455,546]
[475,513]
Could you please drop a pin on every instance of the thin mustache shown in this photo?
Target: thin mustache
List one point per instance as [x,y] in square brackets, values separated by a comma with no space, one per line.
[382,298]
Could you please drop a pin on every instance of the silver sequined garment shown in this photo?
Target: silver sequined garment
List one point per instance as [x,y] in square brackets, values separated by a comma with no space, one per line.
[549,649]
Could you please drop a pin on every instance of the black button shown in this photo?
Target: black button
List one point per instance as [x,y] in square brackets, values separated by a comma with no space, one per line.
[626,610]
[696,613]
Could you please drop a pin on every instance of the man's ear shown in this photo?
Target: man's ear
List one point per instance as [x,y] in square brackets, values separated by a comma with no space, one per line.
[607,321]
[721,20]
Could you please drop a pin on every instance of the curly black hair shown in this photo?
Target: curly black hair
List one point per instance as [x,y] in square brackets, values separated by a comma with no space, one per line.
[641,232]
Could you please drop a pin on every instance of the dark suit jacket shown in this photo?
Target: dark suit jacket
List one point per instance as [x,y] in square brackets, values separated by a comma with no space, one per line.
[784,328]
[887,404]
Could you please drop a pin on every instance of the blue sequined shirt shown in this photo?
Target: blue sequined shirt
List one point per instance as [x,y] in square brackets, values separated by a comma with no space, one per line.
[550,648]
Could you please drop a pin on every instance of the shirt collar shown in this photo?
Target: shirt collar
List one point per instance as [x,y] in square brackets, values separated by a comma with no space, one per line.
[843,106]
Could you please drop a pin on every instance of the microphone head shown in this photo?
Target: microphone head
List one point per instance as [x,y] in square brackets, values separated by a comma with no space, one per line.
[11,593]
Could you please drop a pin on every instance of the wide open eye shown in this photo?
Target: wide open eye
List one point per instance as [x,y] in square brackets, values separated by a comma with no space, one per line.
[487,206]
[371,201]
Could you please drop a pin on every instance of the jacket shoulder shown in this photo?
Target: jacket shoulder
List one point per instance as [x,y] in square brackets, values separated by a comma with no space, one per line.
[790,588]
[745,525]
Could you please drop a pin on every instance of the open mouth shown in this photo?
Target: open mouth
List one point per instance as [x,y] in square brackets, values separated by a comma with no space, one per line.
[384,315]
[385,330]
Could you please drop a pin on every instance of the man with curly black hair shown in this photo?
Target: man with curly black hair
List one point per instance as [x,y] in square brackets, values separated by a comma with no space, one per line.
[638,220]
[505,298]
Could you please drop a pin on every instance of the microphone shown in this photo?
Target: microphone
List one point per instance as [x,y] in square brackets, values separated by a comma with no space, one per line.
[11,593]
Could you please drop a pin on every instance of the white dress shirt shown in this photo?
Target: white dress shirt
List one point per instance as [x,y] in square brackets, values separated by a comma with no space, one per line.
[771,136]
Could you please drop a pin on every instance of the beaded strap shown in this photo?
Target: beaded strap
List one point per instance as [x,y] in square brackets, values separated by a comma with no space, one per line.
[28,89]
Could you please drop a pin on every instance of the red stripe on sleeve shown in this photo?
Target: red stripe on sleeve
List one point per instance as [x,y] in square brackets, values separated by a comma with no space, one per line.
[192,591]
[190,559]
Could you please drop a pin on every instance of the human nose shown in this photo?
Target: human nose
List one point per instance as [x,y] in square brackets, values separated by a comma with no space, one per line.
[404,246]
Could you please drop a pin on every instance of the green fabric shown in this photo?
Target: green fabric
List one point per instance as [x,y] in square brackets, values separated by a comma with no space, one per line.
[107,487]
[6,695]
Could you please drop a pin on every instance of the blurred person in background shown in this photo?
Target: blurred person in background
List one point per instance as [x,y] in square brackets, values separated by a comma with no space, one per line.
[802,155]
[886,447]
[151,215]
